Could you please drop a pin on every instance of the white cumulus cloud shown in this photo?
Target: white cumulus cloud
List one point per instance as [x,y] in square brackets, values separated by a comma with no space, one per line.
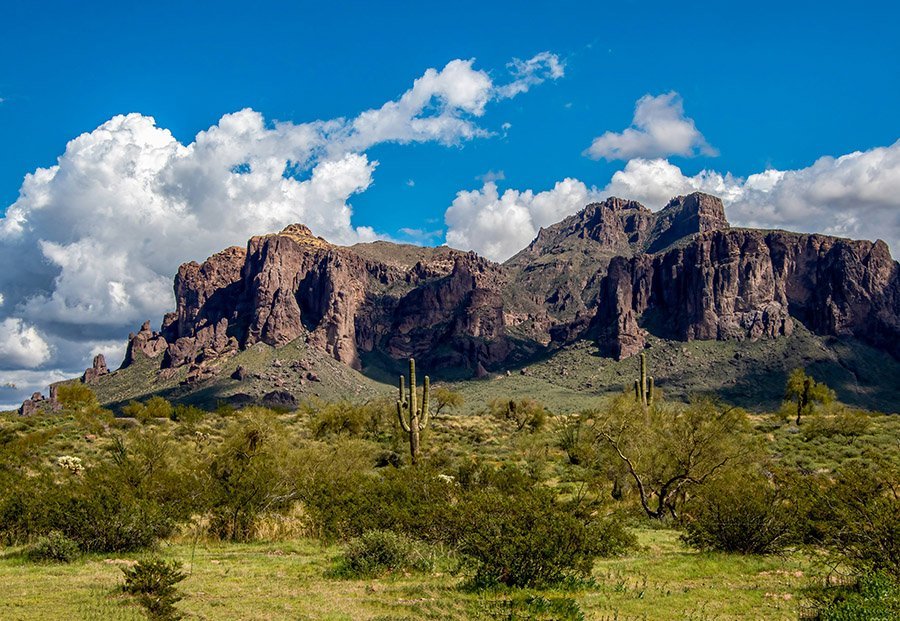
[659,129]
[497,226]
[531,72]
[855,195]
[21,345]
[96,238]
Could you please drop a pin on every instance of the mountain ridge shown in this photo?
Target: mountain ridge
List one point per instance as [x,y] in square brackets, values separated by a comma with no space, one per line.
[615,273]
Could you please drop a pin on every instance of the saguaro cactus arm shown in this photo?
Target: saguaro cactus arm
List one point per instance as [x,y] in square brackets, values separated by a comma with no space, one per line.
[401,406]
[424,415]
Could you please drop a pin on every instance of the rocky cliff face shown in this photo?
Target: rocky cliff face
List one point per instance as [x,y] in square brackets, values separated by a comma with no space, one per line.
[614,271]
[341,300]
[746,284]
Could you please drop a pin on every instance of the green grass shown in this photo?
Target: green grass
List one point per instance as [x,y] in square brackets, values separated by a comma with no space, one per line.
[662,580]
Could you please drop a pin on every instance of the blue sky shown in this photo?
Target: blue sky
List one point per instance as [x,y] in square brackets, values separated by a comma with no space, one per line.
[770,85]
[467,123]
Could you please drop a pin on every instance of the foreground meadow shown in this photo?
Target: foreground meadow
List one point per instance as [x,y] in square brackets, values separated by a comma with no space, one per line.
[661,579]
[636,508]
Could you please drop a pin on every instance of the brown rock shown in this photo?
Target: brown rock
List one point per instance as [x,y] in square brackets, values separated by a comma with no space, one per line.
[98,369]
[744,284]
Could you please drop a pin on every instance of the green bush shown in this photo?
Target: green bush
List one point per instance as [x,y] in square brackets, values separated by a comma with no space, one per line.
[369,420]
[152,408]
[741,512]
[528,539]
[187,414]
[106,519]
[100,509]
[873,597]
[249,474]
[76,396]
[55,548]
[857,517]
[575,437]
[847,422]
[378,552]
[523,414]
[153,582]
[413,501]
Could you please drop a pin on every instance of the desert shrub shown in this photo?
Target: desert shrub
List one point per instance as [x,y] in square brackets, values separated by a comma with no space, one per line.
[415,502]
[528,539]
[740,512]
[575,438]
[55,547]
[112,506]
[872,597]
[107,519]
[23,514]
[369,420]
[154,407]
[249,474]
[378,552]
[848,422]
[76,396]
[507,478]
[523,414]
[445,399]
[857,516]
[153,582]
[187,414]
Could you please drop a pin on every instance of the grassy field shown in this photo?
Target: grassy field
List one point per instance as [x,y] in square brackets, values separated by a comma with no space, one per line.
[290,576]
[662,580]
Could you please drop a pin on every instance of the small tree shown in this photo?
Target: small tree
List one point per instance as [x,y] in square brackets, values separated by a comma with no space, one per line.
[522,413]
[250,474]
[668,450]
[153,582]
[806,392]
[444,398]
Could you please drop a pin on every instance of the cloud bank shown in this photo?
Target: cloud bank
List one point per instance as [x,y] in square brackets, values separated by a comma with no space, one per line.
[97,238]
[855,195]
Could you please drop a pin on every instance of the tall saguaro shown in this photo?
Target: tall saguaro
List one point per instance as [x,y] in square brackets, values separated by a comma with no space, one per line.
[412,419]
[643,388]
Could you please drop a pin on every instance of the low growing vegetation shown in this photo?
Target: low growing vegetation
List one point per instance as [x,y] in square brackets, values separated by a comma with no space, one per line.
[514,511]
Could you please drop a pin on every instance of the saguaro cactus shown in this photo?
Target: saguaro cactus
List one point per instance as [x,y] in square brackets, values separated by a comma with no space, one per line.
[643,388]
[412,419]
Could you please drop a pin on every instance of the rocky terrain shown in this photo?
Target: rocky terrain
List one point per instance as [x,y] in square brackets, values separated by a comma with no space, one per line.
[615,275]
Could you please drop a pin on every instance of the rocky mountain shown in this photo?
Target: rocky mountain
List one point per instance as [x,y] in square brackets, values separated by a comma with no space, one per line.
[440,305]
[615,274]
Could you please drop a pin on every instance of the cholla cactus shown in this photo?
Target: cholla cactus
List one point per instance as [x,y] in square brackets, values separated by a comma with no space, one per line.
[412,419]
[72,464]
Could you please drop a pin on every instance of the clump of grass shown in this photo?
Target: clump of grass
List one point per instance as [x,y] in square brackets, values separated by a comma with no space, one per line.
[54,548]
[379,552]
